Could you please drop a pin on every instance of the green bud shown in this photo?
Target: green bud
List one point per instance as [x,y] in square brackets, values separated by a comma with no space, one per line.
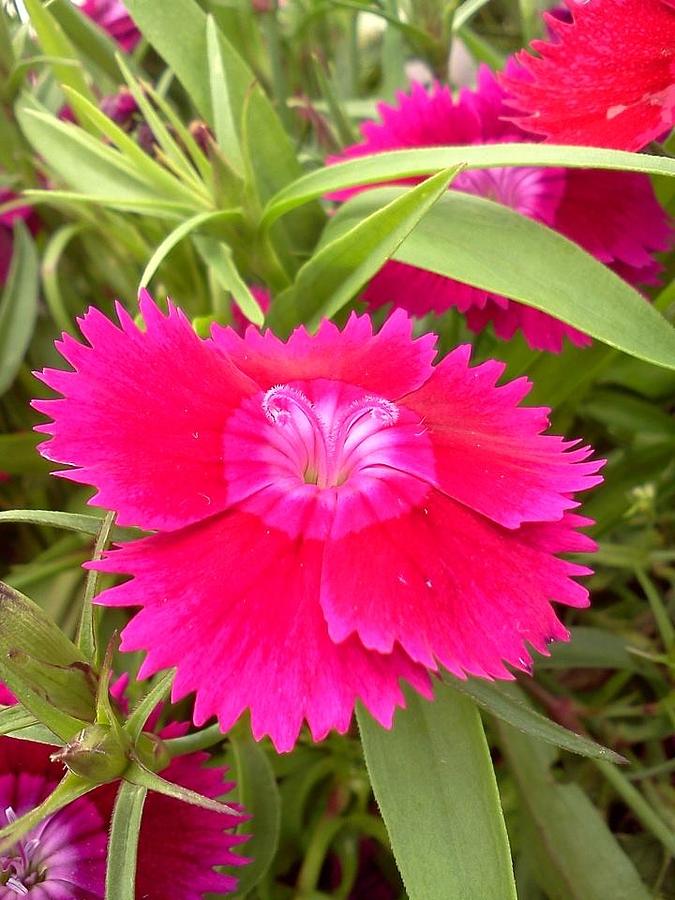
[152,752]
[97,753]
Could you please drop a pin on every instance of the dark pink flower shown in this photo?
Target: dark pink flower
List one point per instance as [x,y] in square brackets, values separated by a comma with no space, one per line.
[613,215]
[112,16]
[333,513]
[606,80]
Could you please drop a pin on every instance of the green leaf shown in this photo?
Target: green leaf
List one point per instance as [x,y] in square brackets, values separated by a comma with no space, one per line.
[141,713]
[138,774]
[120,877]
[18,305]
[483,243]
[577,856]
[49,270]
[94,169]
[87,631]
[15,717]
[45,670]
[38,734]
[177,235]
[398,164]
[68,521]
[342,266]
[505,701]
[55,43]
[257,791]
[226,121]
[435,785]
[91,41]
[589,648]
[218,257]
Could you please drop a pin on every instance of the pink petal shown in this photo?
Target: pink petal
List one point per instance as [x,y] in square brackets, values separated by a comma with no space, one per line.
[387,363]
[607,80]
[490,453]
[143,416]
[233,604]
[452,587]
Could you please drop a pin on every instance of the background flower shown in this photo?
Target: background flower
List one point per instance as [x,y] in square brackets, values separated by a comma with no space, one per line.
[324,508]
[613,215]
[607,80]
[112,16]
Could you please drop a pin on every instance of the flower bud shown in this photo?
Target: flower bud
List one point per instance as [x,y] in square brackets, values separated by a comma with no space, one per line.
[152,752]
[97,753]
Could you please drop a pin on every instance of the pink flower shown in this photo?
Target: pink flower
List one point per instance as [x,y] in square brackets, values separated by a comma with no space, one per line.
[606,80]
[64,858]
[112,16]
[333,513]
[613,215]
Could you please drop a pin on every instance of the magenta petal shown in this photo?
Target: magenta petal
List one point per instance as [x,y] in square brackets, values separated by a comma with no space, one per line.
[490,453]
[452,587]
[387,363]
[143,415]
[234,605]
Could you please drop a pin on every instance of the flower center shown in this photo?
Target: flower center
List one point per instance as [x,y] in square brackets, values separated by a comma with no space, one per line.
[326,449]
[19,870]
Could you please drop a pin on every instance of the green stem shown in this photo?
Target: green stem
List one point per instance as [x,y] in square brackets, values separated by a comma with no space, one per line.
[659,611]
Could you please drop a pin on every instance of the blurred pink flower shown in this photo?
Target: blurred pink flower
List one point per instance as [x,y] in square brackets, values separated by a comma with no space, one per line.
[112,17]
[64,858]
[333,513]
[613,215]
[606,80]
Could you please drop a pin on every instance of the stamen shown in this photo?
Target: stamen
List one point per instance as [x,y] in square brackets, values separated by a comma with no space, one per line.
[15,885]
[10,815]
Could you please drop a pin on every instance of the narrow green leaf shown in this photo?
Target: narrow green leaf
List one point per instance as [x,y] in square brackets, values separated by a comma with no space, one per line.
[18,305]
[258,793]
[89,40]
[342,266]
[45,670]
[120,876]
[139,775]
[139,716]
[55,43]
[177,235]
[49,269]
[483,243]
[589,648]
[218,257]
[577,856]
[68,521]
[505,701]
[86,634]
[224,115]
[19,457]
[38,734]
[14,717]
[398,164]
[436,788]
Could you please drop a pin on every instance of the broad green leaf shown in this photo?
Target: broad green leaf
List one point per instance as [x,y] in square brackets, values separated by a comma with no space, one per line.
[398,164]
[55,43]
[483,243]
[18,455]
[69,521]
[120,877]
[176,236]
[18,305]
[91,167]
[90,41]
[218,257]
[342,266]
[505,701]
[435,785]
[138,774]
[45,670]
[578,857]
[257,791]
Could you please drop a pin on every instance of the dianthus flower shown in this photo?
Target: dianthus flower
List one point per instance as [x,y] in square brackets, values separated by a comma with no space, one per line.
[333,514]
[606,80]
[64,857]
[112,17]
[613,215]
